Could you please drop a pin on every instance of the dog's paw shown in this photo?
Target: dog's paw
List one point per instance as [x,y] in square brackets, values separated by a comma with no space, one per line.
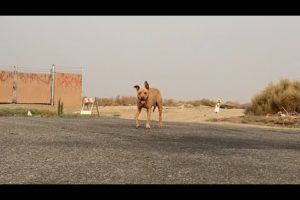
[159,124]
[137,126]
[148,126]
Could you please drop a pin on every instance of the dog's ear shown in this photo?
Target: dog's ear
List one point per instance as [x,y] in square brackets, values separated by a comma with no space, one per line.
[146,85]
[137,87]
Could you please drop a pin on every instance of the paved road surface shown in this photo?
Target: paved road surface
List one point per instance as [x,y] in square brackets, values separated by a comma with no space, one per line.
[108,150]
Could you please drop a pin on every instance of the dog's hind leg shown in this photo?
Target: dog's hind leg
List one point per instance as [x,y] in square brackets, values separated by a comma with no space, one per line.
[137,125]
[154,106]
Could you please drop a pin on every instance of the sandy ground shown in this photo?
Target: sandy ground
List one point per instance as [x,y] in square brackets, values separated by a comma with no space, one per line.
[171,114]
[201,114]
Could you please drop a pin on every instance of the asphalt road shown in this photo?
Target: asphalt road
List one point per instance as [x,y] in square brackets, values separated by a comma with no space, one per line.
[56,150]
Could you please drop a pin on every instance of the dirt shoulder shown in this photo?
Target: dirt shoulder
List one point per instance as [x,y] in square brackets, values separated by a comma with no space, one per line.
[270,120]
[171,114]
[204,115]
[201,114]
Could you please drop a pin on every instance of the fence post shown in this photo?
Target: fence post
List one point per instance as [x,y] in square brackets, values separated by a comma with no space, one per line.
[14,97]
[52,84]
[82,85]
[96,101]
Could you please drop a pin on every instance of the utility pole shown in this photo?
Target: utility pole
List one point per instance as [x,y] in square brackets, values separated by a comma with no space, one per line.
[52,84]
[14,97]
[82,85]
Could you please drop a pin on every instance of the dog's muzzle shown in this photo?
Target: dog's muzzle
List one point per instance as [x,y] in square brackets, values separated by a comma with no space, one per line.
[143,100]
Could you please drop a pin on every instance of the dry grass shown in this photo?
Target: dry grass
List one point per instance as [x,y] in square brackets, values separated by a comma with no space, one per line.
[270,120]
[285,94]
[204,102]
[23,112]
[233,104]
[131,100]
[117,101]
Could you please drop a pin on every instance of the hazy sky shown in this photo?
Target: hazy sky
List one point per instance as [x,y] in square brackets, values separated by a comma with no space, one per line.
[186,57]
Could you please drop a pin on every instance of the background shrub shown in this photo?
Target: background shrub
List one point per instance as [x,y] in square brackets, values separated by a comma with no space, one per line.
[285,94]
[132,100]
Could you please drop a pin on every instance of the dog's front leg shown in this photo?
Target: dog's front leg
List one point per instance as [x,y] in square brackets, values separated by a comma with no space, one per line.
[160,116]
[136,117]
[148,117]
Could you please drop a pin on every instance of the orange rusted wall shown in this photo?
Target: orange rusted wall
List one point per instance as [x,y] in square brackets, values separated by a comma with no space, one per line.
[33,88]
[6,87]
[68,88]
[36,88]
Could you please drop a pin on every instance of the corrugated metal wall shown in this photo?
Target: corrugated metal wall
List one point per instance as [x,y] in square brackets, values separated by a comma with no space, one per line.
[36,88]
[68,88]
[33,88]
[6,86]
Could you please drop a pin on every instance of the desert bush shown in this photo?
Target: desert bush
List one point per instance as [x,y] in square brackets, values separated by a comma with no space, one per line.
[105,101]
[194,102]
[232,104]
[132,100]
[199,102]
[117,101]
[128,100]
[170,102]
[207,102]
[245,105]
[285,94]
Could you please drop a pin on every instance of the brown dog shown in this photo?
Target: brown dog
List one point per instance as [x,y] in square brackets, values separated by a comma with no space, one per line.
[148,97]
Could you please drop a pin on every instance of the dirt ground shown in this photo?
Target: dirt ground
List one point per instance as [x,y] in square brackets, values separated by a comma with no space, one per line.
[201,114]
[170,114]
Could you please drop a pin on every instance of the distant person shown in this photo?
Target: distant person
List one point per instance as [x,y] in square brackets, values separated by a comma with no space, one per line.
[218,104]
